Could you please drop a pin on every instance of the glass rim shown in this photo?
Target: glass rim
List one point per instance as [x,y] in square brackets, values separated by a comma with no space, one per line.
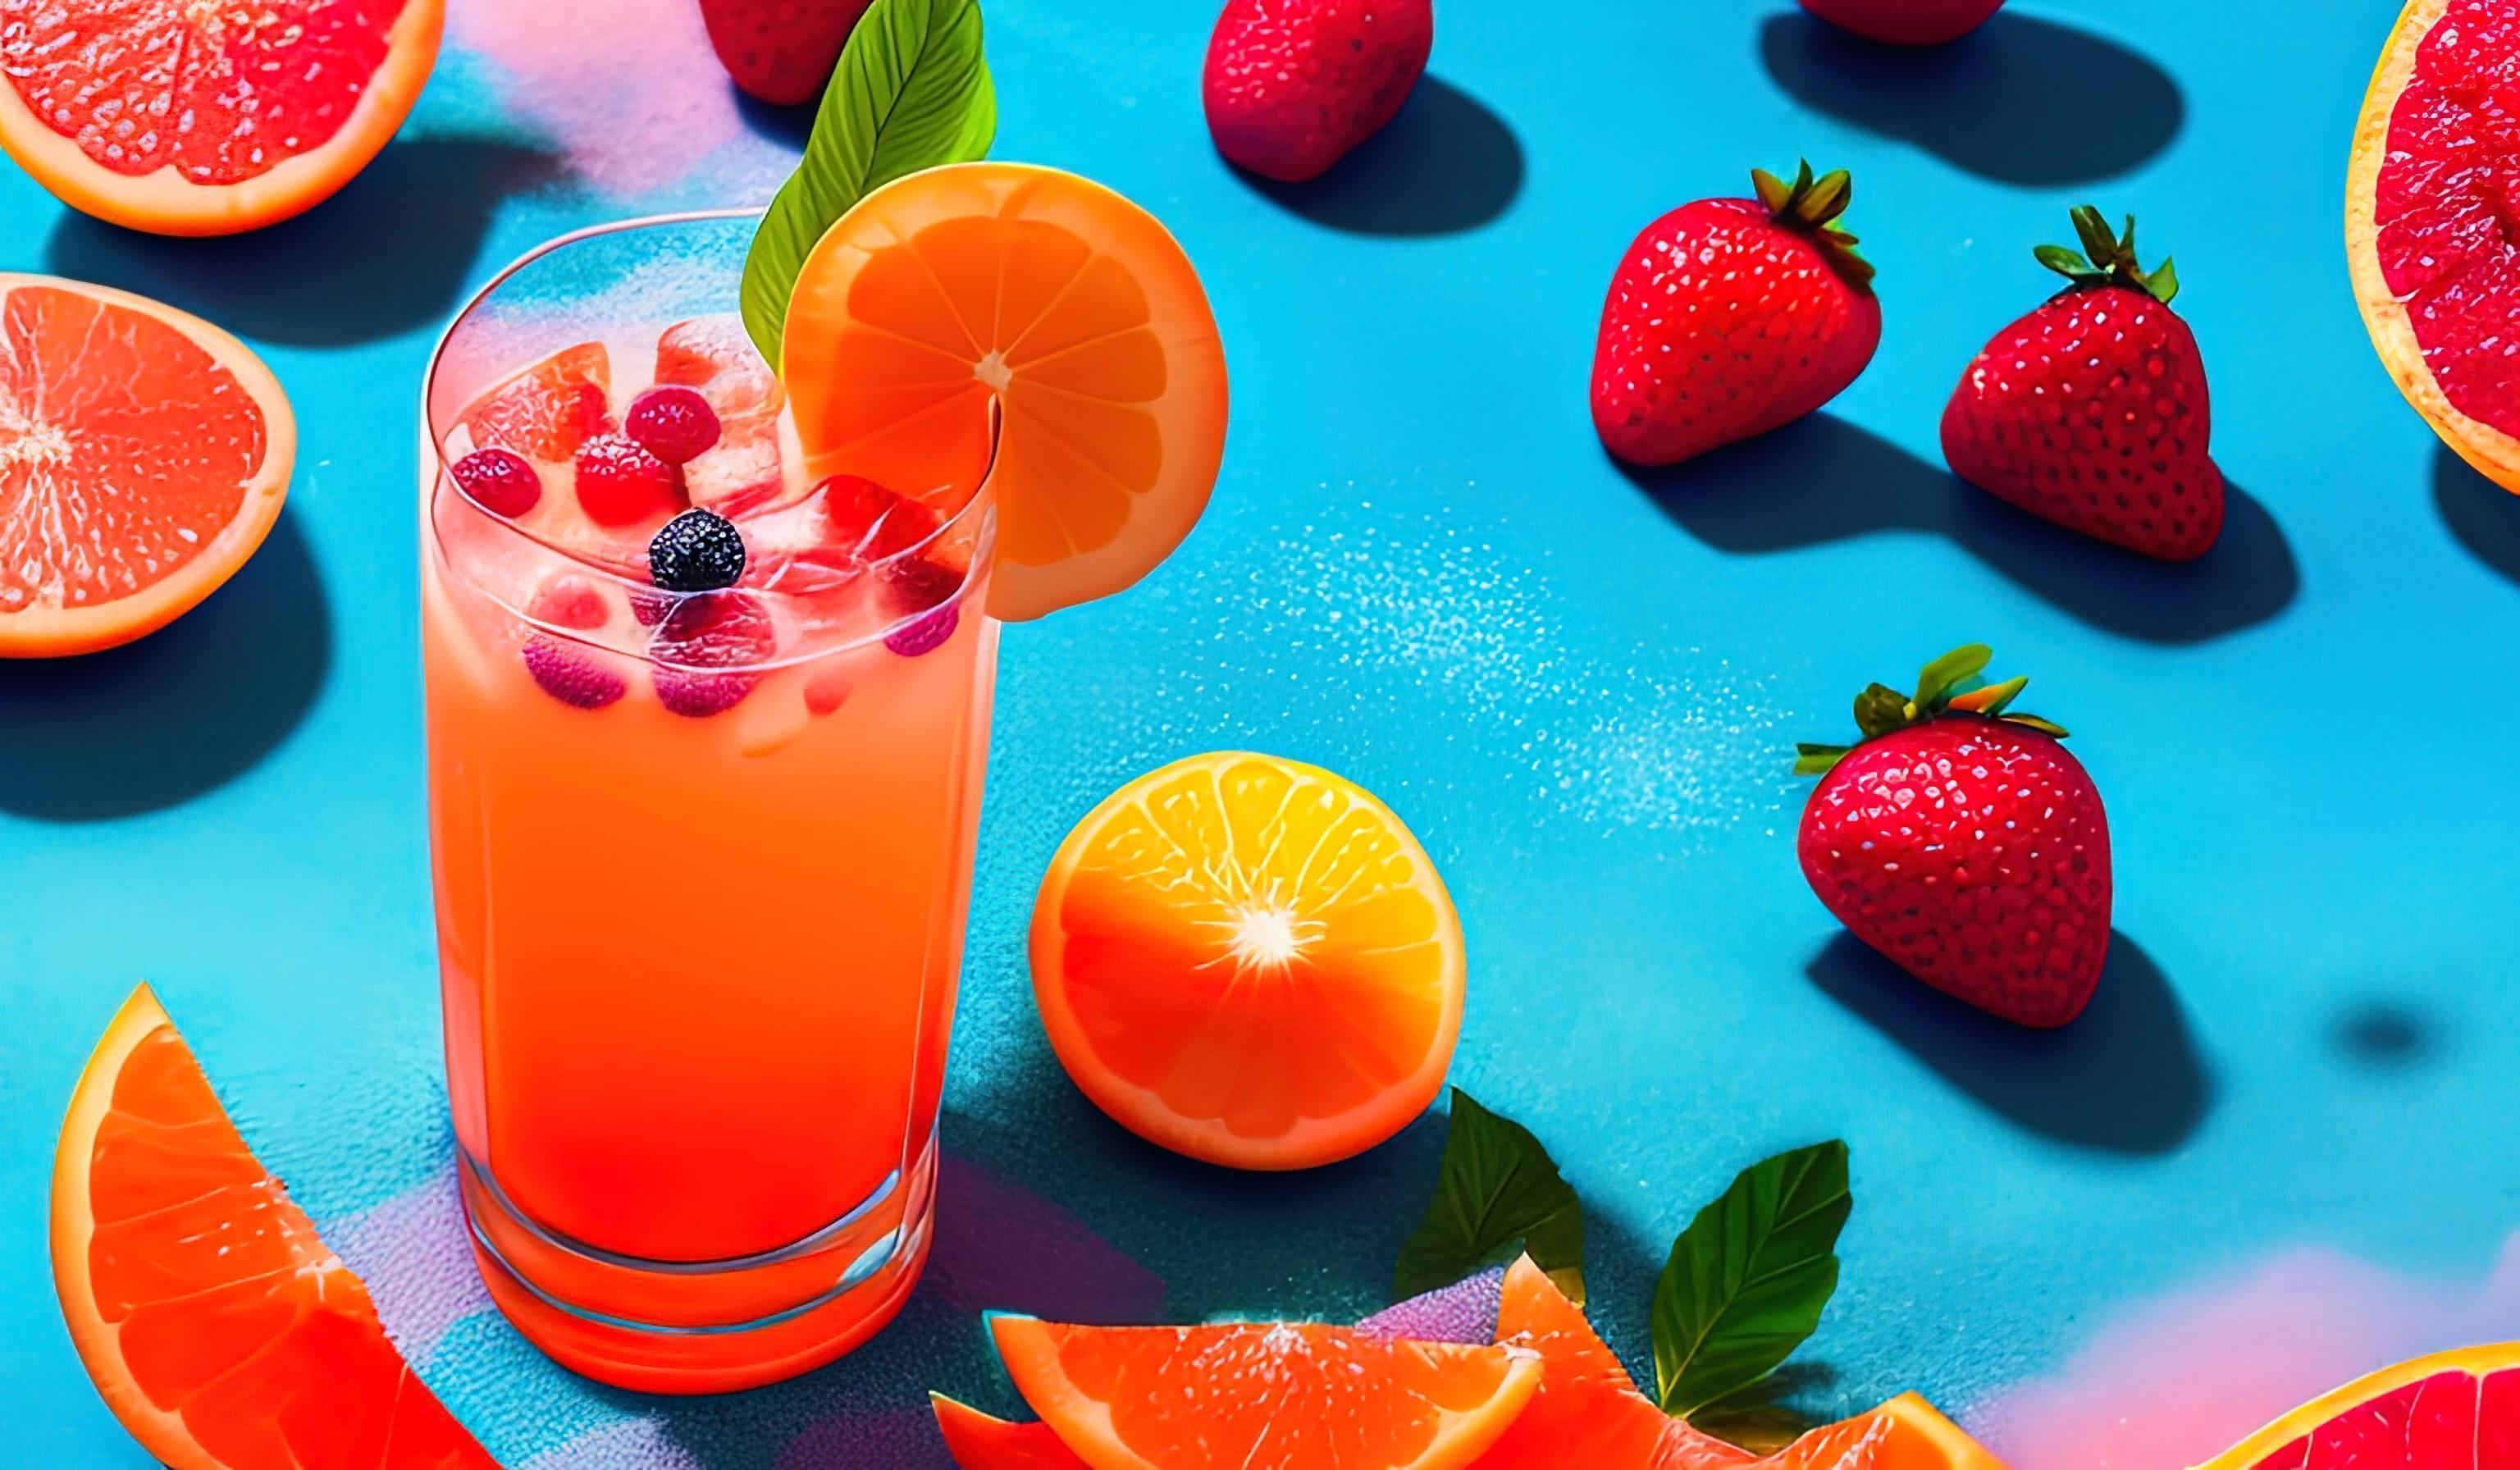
[452,565]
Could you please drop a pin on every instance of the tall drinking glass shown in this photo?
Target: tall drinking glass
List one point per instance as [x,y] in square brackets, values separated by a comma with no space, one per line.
[702,858]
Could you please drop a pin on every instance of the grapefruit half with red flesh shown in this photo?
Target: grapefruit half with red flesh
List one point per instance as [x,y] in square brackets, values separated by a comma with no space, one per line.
[219,1328]
[206,117]
[2457,1410]
[2430,229]
[144,456]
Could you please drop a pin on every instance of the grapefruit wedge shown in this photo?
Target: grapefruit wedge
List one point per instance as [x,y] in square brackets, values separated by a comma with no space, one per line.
[2457,1410]
[1067,303]
[1264,1396]
[2434,263]
[143,454]
[206,117]
[217,1326]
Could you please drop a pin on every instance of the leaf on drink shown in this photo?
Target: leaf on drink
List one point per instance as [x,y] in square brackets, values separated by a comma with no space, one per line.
[912,91]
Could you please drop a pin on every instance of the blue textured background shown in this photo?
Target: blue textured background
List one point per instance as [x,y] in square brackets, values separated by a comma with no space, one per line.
[1580,687]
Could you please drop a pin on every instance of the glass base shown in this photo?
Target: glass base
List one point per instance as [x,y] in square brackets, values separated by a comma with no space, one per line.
[704,1327]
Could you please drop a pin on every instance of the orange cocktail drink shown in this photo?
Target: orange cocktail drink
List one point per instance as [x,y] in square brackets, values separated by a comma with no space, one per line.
[707,723]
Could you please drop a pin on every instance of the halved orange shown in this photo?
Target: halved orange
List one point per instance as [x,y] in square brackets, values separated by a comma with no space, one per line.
[219,1327]
[208,116]
[1250,961]
[1069,304]
[143,454]
[1264,1396]
[2428,237]
[2456,1411]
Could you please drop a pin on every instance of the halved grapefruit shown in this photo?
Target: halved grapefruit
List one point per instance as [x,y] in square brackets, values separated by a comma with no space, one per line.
[206,117]
[1264,1396]
[143,454]
[2456,1411]
[1067,302]
[2429,232]
[219,1329]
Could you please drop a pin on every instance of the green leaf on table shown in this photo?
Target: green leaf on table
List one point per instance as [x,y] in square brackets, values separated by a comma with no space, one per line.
[1497,1194]
[1748,1278]
[912,91]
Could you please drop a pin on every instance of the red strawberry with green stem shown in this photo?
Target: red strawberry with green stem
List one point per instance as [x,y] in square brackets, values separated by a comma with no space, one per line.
[1729,317]
[780,51]
[1293,85]
[2091,411]
[1963,843]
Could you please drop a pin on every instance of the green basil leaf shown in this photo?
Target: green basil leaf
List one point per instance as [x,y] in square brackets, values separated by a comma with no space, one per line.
[912,91]
[1497,1191]
[1748,1278]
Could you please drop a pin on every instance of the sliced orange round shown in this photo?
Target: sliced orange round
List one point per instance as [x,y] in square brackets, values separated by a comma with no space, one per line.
[1264,1396]
[1250,961]
[2456,1411]
[219,1329]
[208,116]
[143,454]
[2436,161]
[1069,305]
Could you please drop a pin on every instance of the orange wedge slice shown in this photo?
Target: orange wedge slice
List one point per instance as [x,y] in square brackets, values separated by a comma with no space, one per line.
[1250,961]
[218,1328]
[1264,1396]
[208,117]
[1069,305]
[143,454]
[982,1442]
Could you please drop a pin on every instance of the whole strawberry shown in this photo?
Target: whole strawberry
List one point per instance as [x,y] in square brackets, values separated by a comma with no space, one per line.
[1965,844]
[1906,23]
[2092,410]
[1293,85]
[1728,317]
[781,51]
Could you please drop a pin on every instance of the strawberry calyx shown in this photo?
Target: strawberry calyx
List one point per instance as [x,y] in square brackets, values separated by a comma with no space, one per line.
[1811,206]
[1951,684]
[2107,258]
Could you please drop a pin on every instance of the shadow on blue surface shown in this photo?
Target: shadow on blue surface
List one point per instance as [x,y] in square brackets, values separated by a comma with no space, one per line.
[2125,1076]
[1447,163]
[2385,1035]
[165,719]
[2021,99]
[2482,514]
[391,253]
[1823,479]
[787,125]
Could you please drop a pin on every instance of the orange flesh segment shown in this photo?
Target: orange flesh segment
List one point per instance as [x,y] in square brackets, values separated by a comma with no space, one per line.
[217,1324]
[980,1441]
[1251,960]
[1588,1410]
[221,90]
[125,449]
[1063,301]
[1279,1395]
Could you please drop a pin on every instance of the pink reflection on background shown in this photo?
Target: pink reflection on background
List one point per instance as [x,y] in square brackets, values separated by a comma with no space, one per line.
[628,89]
[2178,1380]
